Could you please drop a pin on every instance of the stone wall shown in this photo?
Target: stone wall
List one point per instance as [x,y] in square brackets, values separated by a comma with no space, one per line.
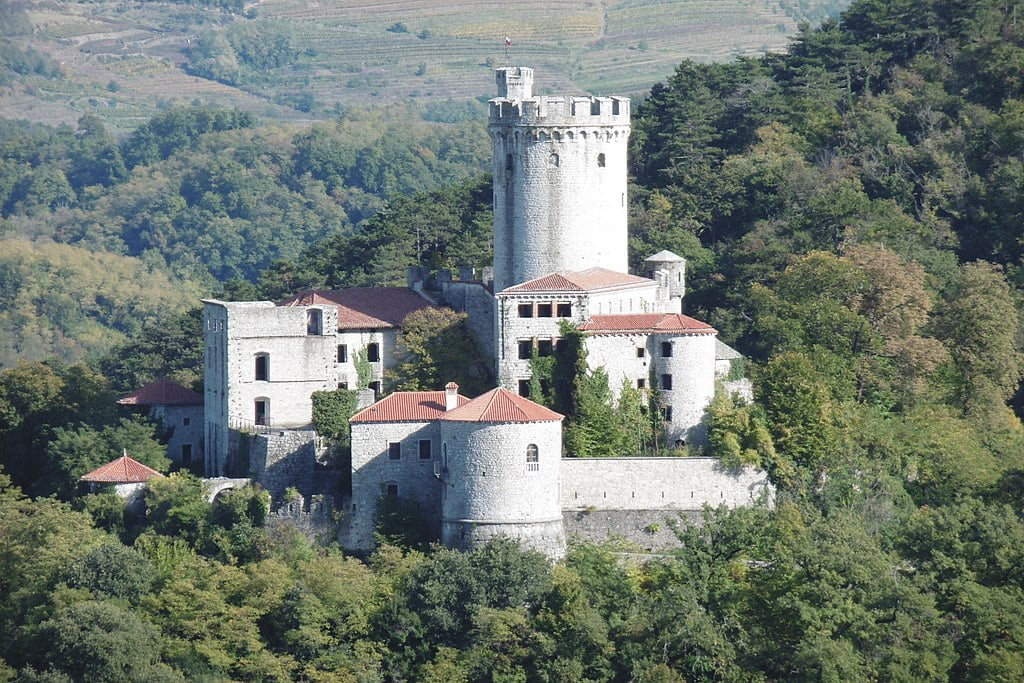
[658,484]
[644,530]
[284,459]
[474,299]
[317,520]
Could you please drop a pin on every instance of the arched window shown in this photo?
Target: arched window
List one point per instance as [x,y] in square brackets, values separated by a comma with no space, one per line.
[262,367]
[600,160]
[532,458]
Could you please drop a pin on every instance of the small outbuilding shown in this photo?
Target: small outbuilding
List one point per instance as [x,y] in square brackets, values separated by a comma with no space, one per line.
[127,475]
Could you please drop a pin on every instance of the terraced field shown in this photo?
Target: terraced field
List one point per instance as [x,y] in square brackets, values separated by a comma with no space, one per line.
[122,60]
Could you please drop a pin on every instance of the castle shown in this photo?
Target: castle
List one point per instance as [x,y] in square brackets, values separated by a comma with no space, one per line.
[493,465]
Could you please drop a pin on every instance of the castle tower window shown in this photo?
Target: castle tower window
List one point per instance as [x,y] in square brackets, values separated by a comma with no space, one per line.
[186,453]
[426,451]
[666,349]
[553,159]
[544,347]
[641,383]
[532,458]
[524,387]
[342,353]
[666,382]
[525,349]
[391,489]
[600,160]
[525,310]
[314,321]
[543,310]
[262,367]
[375,387]
[666,412]
[373,352]
[343,385]
[564,310]
[261,411]
[641,352]
[560,345]
[395,450]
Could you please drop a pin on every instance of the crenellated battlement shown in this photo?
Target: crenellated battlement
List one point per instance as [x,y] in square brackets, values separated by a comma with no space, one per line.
[557,110]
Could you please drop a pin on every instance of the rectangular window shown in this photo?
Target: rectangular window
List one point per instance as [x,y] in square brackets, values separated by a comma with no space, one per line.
[666,382]
[641,352]
[560,345]
[425,450]
[524,387]
[666,349]
[667,413]
[186,421]
[342,353]
[525,349]
[543,310]
[395,450]
[391,489]
[564,310]
[544,347]
[186,453]
[525,310]
[641,383]
[261,412]
[373,352]
[262,367]
[343,385]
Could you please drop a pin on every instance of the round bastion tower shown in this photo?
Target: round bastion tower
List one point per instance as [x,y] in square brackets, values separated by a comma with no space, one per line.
[559,180]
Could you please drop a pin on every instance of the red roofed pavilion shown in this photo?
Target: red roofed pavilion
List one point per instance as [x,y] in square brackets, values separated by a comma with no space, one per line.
[124,470]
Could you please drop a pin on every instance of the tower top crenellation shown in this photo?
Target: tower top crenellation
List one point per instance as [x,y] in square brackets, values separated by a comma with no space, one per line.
[517,105]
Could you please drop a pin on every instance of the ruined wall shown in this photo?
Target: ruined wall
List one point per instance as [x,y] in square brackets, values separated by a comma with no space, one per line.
[641,530]
[284,459]
[474,299]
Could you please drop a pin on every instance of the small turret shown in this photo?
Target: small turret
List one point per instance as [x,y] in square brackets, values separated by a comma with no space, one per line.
[514,82]
[669,270]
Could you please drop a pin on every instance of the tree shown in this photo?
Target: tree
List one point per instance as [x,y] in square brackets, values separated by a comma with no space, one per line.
[112,571]
[436,347]
[979,325]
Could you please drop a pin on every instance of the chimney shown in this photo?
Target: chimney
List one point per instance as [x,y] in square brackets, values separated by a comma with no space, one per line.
[451,396]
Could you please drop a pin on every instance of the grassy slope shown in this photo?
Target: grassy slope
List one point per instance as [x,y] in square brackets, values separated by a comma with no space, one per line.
[620,46]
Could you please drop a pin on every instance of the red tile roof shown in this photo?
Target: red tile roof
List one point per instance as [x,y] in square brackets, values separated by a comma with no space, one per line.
[363,308]
[589,280]
[649,323]
[406,406]
[162,392]
[124,470]
[501,405]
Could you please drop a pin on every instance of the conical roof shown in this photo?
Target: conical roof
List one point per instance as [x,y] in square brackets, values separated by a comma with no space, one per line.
[124,470]
[501,405]
[162,392]
[664,256]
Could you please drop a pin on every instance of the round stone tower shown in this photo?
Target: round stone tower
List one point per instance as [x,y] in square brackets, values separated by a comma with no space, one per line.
[500,456]
[559,180]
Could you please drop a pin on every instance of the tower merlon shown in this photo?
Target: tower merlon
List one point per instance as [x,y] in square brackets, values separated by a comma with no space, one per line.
[557,110]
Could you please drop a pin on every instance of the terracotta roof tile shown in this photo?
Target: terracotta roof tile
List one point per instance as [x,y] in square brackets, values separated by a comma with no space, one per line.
[124,470]
[501,405]
[589,280]
[162,392]
[364,307]
[406,406]
[650,323]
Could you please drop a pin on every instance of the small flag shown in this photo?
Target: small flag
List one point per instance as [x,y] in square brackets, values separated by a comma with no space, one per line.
[508,42]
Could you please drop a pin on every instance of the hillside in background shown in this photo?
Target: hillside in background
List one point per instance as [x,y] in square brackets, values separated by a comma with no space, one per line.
[294,59]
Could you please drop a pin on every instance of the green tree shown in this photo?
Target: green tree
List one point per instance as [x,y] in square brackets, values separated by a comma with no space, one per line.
[436,346]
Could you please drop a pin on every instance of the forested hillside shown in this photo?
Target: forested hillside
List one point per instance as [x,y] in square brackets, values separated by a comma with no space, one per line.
[851,213]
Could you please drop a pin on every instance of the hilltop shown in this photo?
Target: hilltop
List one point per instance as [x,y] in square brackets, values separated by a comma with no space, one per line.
[293,59]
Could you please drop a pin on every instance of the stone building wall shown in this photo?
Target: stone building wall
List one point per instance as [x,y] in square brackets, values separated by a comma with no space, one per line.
[642,530]
[491,489]
[373,471]
[474,299]
[618,355]
[657,484]
[185,425]
[692,369]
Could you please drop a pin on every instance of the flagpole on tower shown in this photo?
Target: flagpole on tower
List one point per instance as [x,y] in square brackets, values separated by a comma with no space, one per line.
[508,44]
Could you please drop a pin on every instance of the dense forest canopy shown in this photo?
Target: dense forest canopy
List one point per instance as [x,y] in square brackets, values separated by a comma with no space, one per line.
[851,213]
